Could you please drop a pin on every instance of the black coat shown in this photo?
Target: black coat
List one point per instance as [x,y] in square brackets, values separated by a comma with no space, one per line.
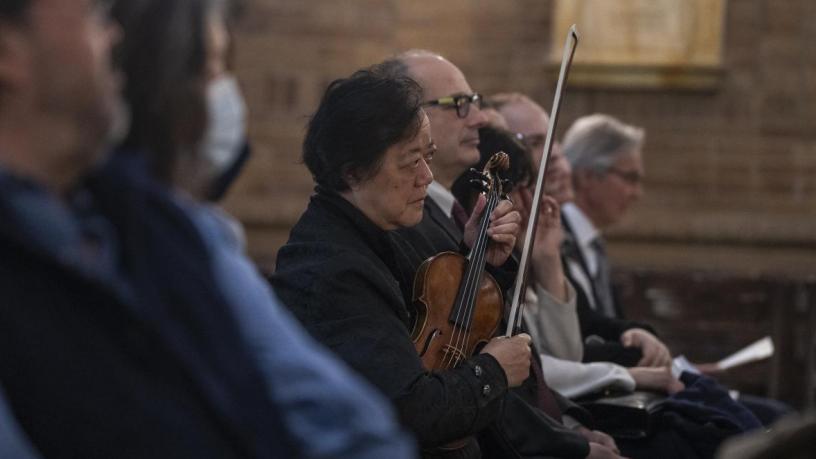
[522,430]
[336,274]
[606,331]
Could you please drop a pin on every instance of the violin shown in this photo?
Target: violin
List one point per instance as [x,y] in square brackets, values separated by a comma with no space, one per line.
[459,305]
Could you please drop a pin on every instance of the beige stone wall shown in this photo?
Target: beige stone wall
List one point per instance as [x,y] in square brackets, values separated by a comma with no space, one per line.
[731,173]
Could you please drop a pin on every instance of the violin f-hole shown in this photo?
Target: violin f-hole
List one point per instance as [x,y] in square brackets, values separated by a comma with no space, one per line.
[430,338]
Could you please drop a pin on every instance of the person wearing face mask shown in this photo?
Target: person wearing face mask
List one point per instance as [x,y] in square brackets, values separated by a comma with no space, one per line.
[188,133]
[225,148]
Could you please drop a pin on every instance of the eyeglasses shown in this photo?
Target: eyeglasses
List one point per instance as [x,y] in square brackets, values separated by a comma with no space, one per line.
[633,178]
[461,102]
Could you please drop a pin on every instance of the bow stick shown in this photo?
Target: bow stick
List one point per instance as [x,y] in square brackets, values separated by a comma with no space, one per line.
[521,279]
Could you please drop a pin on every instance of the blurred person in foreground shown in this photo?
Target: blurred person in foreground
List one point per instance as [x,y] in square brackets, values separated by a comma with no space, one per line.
[197,151]
[115,340]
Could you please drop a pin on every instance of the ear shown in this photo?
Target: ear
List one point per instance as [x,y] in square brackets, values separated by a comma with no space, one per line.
[351,178]
[15,57]
[581,178]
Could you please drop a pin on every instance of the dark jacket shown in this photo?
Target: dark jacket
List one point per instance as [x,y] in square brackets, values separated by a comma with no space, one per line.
[336,274]
[601,333]
[154,370]
[522,430]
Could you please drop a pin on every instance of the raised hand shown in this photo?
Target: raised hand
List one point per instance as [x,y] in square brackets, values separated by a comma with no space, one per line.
[655,353]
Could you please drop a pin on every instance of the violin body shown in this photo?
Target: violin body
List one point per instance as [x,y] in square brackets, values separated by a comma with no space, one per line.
[459,305]
[440,339]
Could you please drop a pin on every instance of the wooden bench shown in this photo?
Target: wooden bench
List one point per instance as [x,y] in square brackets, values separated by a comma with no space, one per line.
[709,315]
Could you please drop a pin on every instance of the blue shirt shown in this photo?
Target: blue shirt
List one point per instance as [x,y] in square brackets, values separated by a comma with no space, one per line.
[331,412]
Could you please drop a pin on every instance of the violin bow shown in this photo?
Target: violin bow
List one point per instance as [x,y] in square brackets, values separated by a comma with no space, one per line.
[517,307]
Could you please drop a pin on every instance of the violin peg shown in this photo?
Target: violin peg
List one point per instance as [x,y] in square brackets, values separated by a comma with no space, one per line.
[479,184]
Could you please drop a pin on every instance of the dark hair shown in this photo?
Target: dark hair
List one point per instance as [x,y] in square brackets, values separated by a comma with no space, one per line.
[358,119]
[491,141]
[13,10]
[163,56]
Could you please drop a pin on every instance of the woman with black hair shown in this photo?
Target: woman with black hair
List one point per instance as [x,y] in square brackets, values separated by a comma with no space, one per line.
[368,147]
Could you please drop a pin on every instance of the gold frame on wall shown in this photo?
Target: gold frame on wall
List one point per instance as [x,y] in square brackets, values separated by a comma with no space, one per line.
[658,44]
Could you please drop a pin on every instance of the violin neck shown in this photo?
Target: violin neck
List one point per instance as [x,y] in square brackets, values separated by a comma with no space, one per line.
[462,311]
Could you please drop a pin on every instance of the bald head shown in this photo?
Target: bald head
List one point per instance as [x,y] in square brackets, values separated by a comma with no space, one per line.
[437,75]
[521,114]
[456,136]
[525,117]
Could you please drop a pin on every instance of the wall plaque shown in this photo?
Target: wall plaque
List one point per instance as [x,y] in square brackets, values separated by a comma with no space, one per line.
[642,43]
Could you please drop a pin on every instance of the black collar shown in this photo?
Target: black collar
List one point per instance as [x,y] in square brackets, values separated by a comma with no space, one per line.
[375,236]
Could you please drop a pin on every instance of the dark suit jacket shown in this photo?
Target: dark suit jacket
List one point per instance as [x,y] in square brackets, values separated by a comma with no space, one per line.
[602,333]
[337,274]
[523,430]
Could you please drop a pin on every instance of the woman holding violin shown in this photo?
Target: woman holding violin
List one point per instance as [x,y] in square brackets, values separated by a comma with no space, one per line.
[368,147]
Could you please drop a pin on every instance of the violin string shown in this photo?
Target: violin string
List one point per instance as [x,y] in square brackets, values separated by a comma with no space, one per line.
[474,275]
[458,336]
[464,307]
[480,262]
[455,339]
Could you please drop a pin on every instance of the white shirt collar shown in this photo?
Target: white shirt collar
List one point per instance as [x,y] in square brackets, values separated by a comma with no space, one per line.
[584,232]
[442,197]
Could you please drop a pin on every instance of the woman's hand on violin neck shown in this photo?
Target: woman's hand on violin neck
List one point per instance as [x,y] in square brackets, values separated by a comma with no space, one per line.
[513,354]
[503,230]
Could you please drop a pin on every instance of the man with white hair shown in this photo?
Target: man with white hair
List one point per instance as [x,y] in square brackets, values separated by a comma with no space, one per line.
[606,159]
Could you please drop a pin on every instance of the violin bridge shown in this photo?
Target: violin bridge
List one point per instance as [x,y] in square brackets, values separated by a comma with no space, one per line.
[453,354]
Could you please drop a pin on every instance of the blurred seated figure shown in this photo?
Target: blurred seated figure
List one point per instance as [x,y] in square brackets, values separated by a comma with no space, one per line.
[116,340]
[196,153]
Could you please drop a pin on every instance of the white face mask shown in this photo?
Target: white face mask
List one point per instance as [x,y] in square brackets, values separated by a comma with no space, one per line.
[226,129]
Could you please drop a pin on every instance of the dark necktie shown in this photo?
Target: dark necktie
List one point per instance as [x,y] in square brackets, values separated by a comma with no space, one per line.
[602,284]
[460,216]
[546,399]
